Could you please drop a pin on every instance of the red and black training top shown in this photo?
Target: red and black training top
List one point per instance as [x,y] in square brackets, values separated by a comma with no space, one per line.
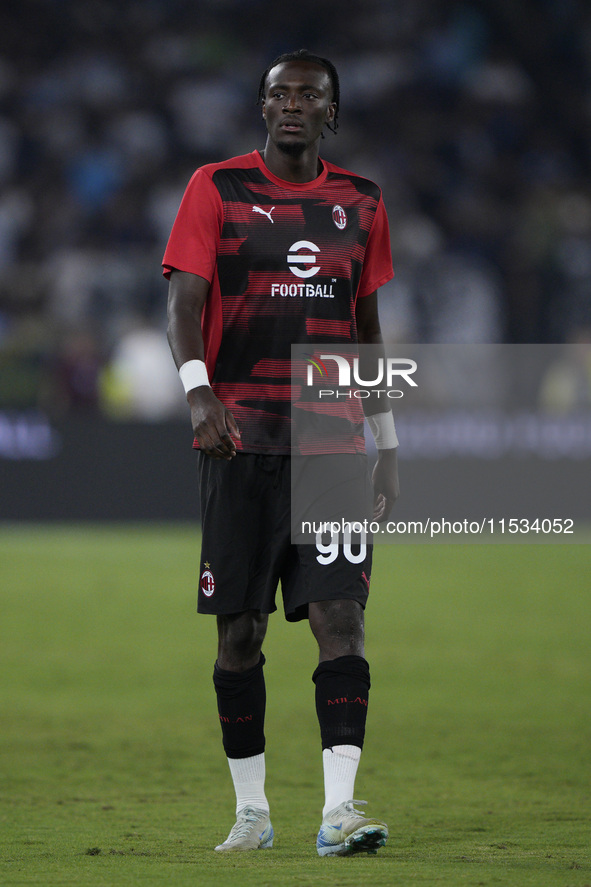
[286,263]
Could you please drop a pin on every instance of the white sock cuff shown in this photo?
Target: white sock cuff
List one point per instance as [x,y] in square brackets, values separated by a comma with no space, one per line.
[348,751]
[247,769]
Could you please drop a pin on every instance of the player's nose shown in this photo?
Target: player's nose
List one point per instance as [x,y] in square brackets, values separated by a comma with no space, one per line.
[292,103]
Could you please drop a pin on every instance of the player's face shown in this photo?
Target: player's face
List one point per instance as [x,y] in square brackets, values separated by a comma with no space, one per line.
[298,103]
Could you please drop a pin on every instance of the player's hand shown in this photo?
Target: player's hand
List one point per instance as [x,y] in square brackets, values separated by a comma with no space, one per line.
[214,426]
[386,488]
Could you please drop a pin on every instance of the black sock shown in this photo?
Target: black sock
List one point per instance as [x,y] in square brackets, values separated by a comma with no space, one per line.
[241,706]
[342,690]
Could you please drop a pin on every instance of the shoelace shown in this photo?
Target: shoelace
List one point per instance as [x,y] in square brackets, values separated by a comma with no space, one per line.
[243,823]
[349,806]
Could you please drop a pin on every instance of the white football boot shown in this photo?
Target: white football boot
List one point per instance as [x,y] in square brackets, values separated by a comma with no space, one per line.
[252,831]
[345,831]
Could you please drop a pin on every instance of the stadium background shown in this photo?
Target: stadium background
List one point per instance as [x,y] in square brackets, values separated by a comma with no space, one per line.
[473,116]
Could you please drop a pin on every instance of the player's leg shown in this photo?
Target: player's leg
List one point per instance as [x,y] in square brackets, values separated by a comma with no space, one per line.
[240,689]
[332,591]
[339,628]
[240,639]
[342,690]
[239,575]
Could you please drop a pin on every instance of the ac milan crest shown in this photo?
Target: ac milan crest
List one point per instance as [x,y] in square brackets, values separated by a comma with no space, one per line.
[207,582]
[339,217]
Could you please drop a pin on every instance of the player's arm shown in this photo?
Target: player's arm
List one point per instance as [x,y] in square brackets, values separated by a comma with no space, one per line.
[213,425]
[385,474]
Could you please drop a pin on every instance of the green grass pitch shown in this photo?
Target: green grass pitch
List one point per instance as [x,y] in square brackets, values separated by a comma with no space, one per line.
[112,773]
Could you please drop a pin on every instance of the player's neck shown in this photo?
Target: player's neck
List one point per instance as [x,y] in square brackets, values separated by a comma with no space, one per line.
[299,169]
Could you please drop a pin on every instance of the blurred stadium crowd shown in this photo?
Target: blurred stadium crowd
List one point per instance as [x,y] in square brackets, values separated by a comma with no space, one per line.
[474,117]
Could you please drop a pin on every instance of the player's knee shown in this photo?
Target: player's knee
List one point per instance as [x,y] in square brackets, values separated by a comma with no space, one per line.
[338,626]
[240,638]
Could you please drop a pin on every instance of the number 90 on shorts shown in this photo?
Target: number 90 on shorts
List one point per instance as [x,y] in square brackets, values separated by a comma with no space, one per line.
[354,550]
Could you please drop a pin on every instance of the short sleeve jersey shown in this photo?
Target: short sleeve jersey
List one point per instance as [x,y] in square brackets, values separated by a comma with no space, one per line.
[286,263]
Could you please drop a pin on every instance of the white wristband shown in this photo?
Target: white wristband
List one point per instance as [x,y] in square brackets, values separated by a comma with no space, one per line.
[382,427]
[193,374]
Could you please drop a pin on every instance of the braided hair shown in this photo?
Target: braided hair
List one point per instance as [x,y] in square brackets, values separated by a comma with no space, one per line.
[302,55]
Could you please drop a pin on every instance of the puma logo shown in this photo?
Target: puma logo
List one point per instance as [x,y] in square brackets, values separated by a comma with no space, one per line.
[258,209]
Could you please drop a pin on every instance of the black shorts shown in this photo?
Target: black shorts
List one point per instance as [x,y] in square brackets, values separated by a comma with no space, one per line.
[247,548]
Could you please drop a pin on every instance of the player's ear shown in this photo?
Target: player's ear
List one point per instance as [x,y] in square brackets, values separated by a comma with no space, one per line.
[330,112]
